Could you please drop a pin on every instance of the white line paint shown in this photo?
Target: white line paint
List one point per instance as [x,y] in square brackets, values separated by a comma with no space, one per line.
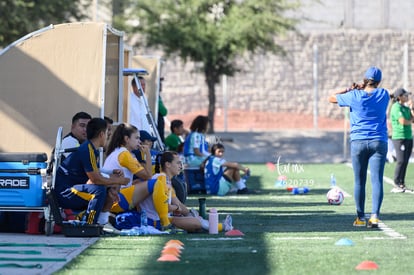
[302,238]
[391,233]
[215,239]
[278,238]
[136,238]
[386,179]
[385,238]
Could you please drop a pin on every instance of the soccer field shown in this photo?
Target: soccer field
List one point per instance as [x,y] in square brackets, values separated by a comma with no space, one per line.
[283,233]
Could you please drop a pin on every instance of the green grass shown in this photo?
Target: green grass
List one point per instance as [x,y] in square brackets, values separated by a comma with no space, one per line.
[284,233]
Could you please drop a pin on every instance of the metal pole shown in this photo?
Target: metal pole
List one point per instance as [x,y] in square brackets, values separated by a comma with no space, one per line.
[150,117]
[405,66]
[224,79]
[103,91]
[315,86]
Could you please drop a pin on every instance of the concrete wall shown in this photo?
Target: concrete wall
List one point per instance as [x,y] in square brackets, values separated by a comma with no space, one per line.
[356,14]
[285,84]
[350,36]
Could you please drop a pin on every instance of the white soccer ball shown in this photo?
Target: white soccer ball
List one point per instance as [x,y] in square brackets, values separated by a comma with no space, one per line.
[335,196]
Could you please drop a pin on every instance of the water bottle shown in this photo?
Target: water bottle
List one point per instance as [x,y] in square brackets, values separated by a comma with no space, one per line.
[213,221]
[202,207]
[144,222]
[300,190]
[281,181]
[333,180]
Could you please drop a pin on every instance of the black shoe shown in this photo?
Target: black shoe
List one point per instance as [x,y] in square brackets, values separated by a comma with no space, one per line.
[112,218]
[243,191]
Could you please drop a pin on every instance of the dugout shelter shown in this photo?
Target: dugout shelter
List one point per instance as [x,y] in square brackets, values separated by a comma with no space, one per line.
[49,75]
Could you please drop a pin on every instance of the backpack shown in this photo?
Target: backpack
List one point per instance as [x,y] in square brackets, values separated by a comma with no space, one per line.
[127,220]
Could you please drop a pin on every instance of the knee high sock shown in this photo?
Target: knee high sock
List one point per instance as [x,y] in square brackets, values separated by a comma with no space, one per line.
[160,198]
[241,184]
[103,218]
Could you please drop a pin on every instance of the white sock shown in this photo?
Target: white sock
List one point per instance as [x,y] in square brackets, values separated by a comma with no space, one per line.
[241,184]
[204,223]
[233,189]
[103,218]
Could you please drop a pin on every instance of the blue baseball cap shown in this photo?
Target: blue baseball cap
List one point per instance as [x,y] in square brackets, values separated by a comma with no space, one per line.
[373,73]
[144,135]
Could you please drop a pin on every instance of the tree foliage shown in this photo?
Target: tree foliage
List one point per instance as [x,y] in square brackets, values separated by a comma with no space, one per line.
[20,17]
[213,33]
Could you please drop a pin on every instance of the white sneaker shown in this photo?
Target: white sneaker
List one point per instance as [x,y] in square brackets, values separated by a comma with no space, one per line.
[108,228]
[194,213]
[233,190]
[397,190]
[228,223]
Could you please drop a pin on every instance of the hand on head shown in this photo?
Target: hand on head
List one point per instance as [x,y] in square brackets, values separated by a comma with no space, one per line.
[144,148]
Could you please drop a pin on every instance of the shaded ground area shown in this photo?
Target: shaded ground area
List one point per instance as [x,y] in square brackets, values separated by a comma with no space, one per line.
[251,137]
[260,137]
[285,146]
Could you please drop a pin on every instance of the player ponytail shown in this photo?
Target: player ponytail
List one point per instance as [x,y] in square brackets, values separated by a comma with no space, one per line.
[157,163]
[162,159]
[118,137]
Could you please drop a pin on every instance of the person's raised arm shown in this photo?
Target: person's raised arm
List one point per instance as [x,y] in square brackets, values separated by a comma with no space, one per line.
[146,173]
[332,97]
[236,165]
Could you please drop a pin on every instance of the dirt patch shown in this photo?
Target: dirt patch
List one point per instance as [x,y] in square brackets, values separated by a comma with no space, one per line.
[238,120]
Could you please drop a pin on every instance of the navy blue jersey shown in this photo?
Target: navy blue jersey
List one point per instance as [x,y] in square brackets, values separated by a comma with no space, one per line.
[73,169]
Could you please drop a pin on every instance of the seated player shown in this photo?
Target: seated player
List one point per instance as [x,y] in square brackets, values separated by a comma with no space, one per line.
[175,140]
[195,145]
[79,183]
[77,133]
[219,174]
[124,140]
[180,216]
[148,141]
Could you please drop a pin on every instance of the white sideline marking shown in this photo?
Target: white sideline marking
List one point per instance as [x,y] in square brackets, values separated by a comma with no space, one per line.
[387,231]
[383,238]
[382,226]
[131,238]
[386,179]
[303,238]
[215,239]
[232,197]
[277,238]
